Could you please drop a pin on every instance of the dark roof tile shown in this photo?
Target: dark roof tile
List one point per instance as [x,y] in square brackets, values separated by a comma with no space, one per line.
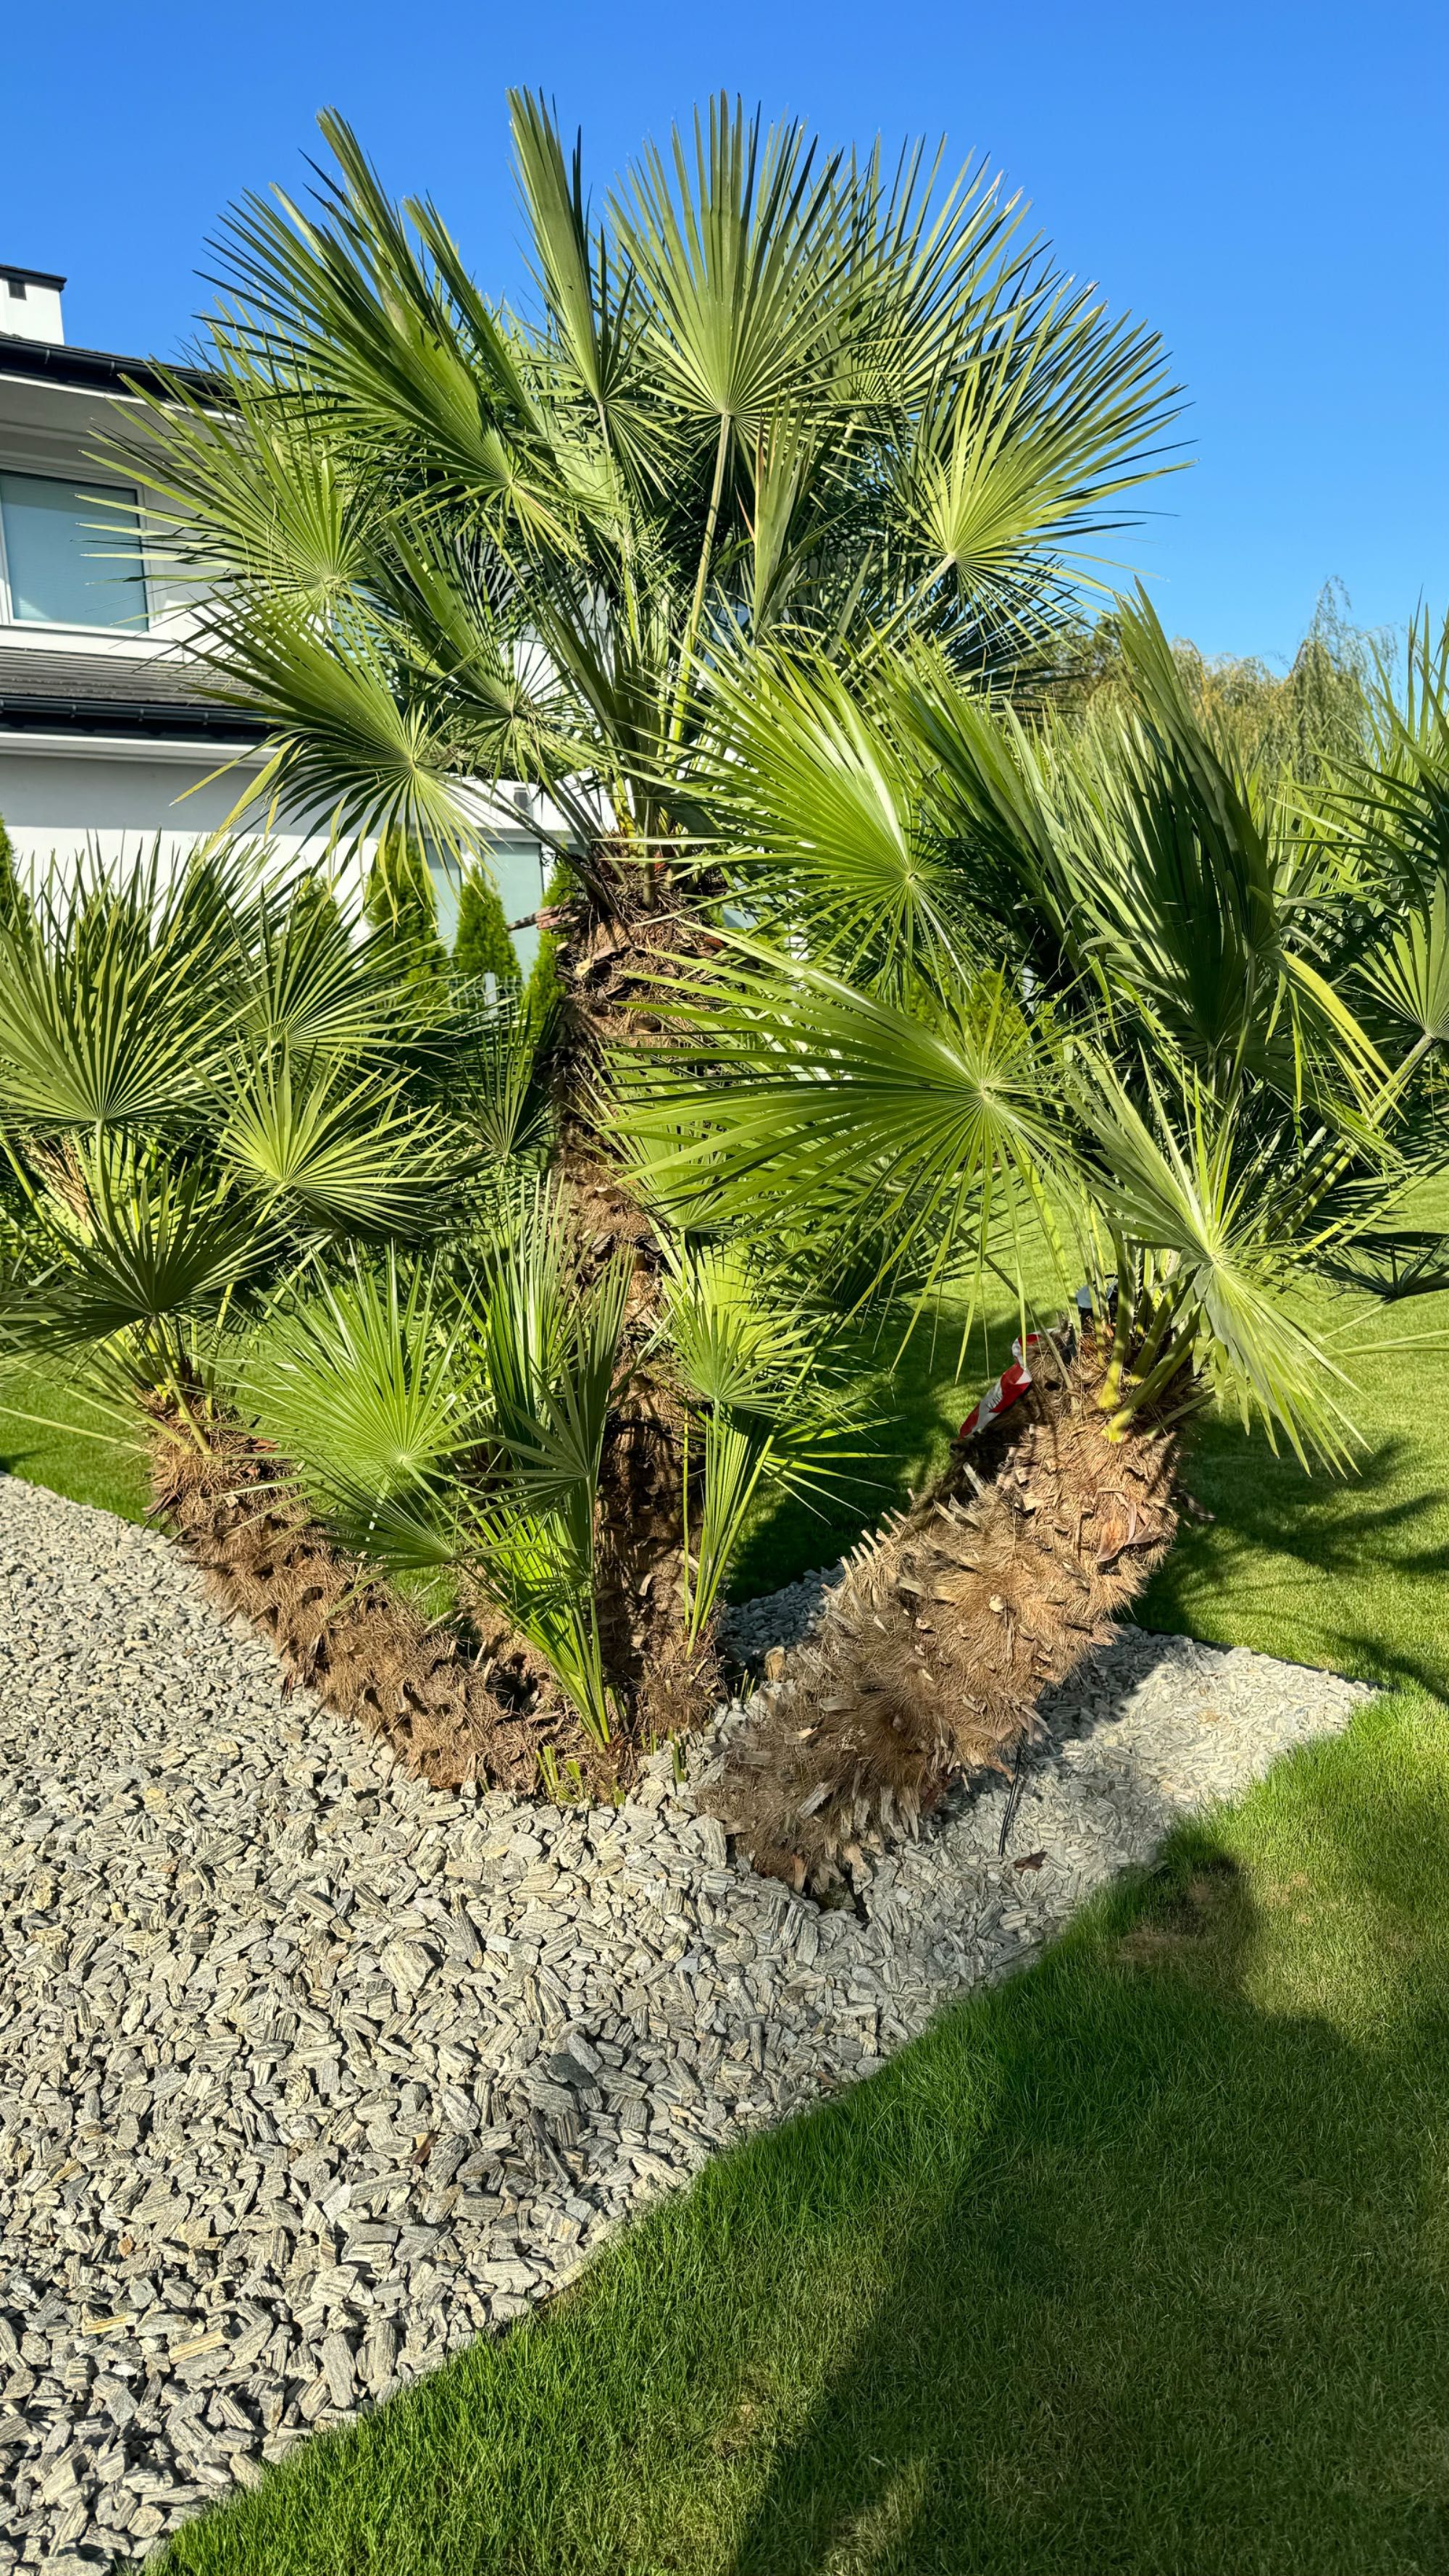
[164,697]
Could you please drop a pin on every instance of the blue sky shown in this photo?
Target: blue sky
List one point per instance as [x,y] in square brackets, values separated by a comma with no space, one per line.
[1266,183]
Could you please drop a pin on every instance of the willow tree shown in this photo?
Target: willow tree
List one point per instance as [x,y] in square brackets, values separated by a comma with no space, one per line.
[766,398]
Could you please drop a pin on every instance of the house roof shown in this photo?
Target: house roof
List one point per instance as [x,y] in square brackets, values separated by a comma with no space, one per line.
[95,370]
[158,698]
[31,276]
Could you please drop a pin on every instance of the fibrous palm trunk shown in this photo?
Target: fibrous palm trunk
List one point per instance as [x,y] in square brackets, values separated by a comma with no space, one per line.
[933,1651]
[367,1652]
[618,939]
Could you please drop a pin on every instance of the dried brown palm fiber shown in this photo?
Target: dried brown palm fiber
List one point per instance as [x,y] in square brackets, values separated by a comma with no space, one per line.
[933,1650]
[614,945]
[366,1651]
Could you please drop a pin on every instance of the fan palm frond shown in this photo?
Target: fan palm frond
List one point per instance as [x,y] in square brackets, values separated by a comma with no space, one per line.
[736,246]
[775,1419]
[801,1098]
[118,994]
[333,1149]
[368,1385]
[1215,1227]
[250,488]
[827,807]
[1021,455]
[140,1245]
[347,744]
[588,290]
[315,980]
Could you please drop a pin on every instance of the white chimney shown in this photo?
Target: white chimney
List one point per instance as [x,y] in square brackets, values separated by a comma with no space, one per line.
[30,305]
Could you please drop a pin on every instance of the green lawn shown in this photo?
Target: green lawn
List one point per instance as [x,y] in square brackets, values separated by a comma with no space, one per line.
[1137,2264]
[51,1435]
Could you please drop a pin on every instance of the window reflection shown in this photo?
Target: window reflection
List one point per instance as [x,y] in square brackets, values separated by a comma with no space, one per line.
[70,558]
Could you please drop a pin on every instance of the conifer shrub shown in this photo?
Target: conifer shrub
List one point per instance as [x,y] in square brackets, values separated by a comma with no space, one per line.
[483,945]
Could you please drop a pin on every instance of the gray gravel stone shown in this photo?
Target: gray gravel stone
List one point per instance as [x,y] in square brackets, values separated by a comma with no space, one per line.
[309,2074]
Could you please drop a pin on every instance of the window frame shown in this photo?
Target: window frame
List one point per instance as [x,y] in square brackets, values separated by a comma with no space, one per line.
[142,624]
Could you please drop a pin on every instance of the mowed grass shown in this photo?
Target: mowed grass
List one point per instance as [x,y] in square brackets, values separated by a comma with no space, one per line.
[53,1435]
[1137,2263]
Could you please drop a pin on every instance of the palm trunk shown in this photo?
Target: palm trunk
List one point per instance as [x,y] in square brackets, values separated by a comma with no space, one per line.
[364,1649]
[934,1650]
[610,949]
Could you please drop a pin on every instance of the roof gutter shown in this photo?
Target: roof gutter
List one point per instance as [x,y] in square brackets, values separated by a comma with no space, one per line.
[159,719]
[96,371]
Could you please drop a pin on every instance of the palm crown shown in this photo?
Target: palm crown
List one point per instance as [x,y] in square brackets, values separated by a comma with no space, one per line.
[765,393]
[1073,985]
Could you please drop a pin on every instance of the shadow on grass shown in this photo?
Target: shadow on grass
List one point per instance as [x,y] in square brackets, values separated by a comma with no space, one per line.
[1158,2323]
[1137,2263]
[1323,1570]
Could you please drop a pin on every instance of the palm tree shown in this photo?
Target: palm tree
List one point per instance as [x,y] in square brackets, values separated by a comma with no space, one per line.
[767,396]
[302,1237]
[212,1103]
[1071,994]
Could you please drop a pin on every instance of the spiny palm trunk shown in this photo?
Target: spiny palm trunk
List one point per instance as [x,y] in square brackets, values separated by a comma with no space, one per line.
[618,936]
[361,1646]
[933,1651]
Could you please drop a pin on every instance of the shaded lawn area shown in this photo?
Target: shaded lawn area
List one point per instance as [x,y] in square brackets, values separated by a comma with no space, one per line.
[1140,2263]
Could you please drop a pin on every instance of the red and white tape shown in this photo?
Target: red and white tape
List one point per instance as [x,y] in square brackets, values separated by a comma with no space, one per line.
[999,1399]
[1013,1382]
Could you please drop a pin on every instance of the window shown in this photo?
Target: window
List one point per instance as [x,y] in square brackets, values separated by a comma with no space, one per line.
[70,557]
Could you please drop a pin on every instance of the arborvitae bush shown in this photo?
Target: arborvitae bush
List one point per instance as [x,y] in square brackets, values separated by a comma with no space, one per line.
[12,898]
[483,945]
[400,903]
[543,981]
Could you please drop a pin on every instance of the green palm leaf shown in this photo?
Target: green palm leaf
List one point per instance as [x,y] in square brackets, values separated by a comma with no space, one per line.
[821,1104]
[369,1386]
[139,1242]
[1229,1225]
[774,1420]
[334,1149]
[118,995]
[827,804]
[736,246]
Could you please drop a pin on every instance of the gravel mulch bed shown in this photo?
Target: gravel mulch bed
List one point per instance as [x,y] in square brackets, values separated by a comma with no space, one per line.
[309,2074]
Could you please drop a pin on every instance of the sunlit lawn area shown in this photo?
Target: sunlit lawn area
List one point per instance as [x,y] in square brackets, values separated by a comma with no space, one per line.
[54,1436]
[1139,2263]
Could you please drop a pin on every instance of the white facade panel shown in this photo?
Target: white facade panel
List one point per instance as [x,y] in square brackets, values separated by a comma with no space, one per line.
[59,799]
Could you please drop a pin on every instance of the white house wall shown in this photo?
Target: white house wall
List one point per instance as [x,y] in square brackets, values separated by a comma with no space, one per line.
[58,799]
